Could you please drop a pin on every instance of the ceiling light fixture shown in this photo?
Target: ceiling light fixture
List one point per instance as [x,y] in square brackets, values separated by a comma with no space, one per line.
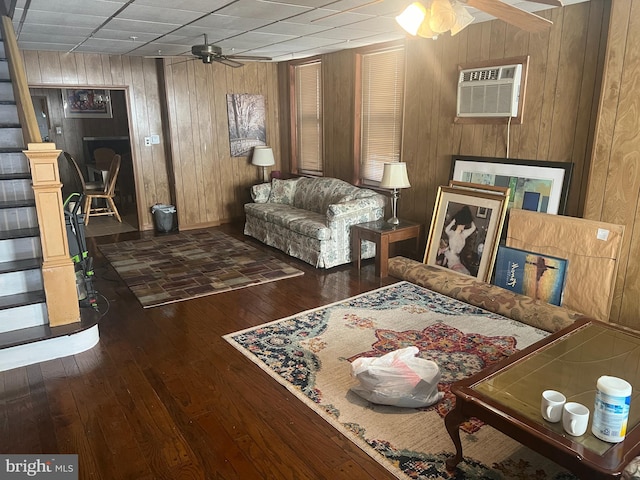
[441,16]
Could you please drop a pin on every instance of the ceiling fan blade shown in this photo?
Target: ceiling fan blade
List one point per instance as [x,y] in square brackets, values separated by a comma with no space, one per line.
[527,21]
[553,3]
[227,61]
[248,57]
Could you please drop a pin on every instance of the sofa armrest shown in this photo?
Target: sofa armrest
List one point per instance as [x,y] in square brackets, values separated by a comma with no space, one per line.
[355,208]
[260,193]
[496,299]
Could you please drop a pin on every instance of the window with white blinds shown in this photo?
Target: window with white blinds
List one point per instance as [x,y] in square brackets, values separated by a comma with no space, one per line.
[308,118]
[382,93]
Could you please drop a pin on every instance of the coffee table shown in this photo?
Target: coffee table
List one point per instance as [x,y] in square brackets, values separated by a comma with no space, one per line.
[382,234]
[507,396]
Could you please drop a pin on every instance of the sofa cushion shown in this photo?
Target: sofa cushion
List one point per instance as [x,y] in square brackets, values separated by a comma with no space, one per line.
[276,213]
[312,225]
[316,194]
[282,191]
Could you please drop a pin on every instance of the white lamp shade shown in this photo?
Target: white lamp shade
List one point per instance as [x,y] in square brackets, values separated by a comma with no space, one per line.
[262,157]
[394,175]
[411,18]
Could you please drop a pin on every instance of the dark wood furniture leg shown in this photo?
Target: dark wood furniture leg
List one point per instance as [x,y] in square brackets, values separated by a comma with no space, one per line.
[382,257]
[356,245]
[452,421]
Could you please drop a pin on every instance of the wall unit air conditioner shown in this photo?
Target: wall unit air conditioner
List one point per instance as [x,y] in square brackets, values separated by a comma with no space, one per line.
[489,91]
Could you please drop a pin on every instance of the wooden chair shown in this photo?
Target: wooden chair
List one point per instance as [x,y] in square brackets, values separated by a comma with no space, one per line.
[106,194]
[73,165]
[103,157]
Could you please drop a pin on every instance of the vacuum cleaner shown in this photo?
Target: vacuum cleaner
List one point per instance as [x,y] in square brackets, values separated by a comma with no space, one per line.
[74,220]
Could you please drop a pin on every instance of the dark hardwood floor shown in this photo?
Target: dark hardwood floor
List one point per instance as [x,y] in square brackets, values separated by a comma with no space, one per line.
[164,396]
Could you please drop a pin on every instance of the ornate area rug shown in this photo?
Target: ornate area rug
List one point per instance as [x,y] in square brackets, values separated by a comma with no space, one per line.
[310,354]
[183,266]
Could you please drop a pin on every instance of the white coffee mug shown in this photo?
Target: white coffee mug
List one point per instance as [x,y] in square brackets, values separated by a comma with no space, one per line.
[575,418]
[551,405]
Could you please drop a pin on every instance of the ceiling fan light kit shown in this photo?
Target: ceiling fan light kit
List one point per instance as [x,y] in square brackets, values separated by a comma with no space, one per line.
[451,15]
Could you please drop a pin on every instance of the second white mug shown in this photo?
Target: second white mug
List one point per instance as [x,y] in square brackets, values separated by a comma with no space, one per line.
[575,418]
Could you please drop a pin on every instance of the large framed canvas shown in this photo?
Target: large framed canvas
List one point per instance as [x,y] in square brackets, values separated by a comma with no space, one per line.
[465,230]
[247,128]
[534,185]
[86,103]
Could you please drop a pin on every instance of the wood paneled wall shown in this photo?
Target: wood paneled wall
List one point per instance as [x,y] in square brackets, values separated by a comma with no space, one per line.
[211,185]
[558,117]
[614,186]
[139,78]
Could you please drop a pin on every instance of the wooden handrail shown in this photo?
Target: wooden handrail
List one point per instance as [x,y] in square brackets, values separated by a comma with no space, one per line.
[26,112]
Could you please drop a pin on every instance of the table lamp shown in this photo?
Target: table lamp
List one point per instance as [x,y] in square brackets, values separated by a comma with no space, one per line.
[394,176]
[263,157]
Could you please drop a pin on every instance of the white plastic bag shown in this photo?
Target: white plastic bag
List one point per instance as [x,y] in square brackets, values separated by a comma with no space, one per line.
[398,378]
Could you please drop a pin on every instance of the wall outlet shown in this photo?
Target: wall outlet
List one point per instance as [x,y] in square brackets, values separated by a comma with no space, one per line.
[147,141]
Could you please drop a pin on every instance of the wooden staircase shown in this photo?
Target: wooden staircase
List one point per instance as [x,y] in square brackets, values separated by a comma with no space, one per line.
[26,335]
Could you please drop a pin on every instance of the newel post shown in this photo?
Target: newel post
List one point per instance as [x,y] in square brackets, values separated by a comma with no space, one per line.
[58,271]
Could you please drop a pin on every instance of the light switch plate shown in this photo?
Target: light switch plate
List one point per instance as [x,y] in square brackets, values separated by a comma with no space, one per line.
[147,141]
[155,139]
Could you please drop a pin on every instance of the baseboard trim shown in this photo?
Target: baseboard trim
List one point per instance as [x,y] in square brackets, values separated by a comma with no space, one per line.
[48,349]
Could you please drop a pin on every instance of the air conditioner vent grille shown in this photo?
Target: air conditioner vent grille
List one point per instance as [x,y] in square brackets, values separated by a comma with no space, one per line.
[480,75]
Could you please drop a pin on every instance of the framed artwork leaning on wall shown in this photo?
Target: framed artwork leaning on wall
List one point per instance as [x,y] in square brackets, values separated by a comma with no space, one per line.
[535,185]
[465,229]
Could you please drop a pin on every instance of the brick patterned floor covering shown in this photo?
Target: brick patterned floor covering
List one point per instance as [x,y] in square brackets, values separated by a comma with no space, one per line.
[182,266]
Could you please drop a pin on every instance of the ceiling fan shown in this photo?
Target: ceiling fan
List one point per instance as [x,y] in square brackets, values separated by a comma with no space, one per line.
[453,15]
[208,53]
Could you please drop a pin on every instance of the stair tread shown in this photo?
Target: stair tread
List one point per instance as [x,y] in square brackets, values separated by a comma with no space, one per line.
[15,176]
[21,299]
[25,202]
[20,265]
[19,233]
[88,318]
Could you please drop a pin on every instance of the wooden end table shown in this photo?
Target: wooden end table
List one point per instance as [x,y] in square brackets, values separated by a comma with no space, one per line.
[507,397]
[382,234]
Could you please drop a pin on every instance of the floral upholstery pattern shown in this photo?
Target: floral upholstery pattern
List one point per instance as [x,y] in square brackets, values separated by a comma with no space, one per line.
[484,295]
[282,191]
[311,218]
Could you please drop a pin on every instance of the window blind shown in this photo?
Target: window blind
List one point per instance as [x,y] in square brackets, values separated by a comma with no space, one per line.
[308,88]
[382,93]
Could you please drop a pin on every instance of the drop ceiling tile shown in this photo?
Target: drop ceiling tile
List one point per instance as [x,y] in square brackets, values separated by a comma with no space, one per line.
[378,24]
[262,9]
[297,44]
[134,26]
[55,30]
[158,14]
[59,18]
[110,34]
[44,38]
[343,33]
[212,36]
[290,28]
[329,18]
[230,22]
[55,47]
[202,6]
[102,8]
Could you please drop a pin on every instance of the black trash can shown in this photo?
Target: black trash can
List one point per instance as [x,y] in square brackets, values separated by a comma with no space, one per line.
[164,217]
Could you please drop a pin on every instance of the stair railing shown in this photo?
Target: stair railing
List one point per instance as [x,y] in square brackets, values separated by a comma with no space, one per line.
[58,271]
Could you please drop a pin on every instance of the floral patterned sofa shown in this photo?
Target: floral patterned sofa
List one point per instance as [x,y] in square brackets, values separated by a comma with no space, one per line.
[311,218]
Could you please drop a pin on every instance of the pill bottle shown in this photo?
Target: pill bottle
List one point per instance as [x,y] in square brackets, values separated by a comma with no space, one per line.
[611,409]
